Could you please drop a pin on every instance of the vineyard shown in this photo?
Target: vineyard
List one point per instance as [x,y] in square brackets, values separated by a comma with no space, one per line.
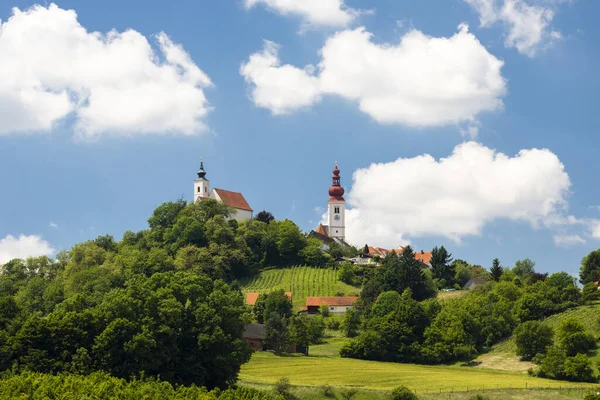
[301,281]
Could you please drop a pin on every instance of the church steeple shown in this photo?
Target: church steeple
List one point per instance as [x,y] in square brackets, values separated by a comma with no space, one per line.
[201,171]
[201,184]
[336,190]
[337,205]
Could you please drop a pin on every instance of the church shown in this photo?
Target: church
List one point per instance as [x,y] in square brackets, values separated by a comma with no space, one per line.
[202,191]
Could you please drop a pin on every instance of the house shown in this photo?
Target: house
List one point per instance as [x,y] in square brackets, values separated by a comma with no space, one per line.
[254,335]
[336,304]
[378,253]
[235,200]
[251,297]
[474,282]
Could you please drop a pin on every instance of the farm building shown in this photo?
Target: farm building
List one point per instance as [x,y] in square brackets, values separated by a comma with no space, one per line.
[336,304]
[473,283]
[251,297]
[254,335]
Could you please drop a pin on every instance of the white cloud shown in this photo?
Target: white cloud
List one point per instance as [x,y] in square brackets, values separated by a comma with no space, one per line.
[53,225]
[568,240]
[113,83]
[594,226]
[315,13]
[455,196]
[421,81]
[22,247]
[528,25]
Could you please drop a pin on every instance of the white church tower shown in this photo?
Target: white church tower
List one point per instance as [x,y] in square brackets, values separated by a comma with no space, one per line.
[337,205]
[201,185]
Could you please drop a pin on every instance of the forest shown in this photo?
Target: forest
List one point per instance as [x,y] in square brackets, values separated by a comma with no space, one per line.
[165,304]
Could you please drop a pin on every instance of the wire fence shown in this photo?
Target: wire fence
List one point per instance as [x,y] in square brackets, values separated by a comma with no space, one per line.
[575,390]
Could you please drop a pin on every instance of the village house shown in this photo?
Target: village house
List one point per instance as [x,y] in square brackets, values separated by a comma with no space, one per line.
[336,304]
[251,297]
[473,283]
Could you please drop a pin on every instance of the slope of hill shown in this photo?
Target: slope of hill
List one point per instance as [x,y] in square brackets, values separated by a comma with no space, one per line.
[502,356]
[301,281]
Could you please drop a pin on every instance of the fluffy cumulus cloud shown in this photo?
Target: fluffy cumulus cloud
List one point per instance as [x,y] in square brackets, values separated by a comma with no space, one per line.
[420,81]
[455,196]
[22,247]
[528,25]
[315,13]
[568,240]
[114,83]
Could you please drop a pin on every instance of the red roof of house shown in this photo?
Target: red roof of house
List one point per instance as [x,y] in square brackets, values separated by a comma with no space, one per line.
[331,301]
[321,230]
[233,199]
[423,256]
[251,297]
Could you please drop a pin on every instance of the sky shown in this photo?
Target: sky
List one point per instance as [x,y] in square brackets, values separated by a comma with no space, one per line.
[465,123]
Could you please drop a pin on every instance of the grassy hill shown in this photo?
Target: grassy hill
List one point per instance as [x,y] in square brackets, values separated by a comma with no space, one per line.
[503,354]
[301,281]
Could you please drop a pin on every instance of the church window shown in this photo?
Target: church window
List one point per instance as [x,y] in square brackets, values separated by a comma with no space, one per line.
[198,189]
[205,189]
[336,210]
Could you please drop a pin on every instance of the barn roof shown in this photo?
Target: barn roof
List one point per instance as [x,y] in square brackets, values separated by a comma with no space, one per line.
[331,301]
[254,331]
[251,297]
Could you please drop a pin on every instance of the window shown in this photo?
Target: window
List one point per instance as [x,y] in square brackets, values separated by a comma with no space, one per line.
[336,210]
[198,189]
[205,189]
[331,308]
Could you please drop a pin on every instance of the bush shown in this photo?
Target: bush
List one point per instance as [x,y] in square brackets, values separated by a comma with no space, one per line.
[349,394]
[328,391]
[283,386]
[579,369]
[479,397]
[532,337]
[333,323]
[324,309]
[403,393]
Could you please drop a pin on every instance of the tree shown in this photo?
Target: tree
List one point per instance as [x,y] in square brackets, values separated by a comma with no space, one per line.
[441,265]
[590,293]
[275,302]
[299,331]
[275,333]
[579,369]
[290,242]
[351,323]
[533,338]
[573,337]
[524,269]
[496,271]
[265,217]
[590,268]
[553,364]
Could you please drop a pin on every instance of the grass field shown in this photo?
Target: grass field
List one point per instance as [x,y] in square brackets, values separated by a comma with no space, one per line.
[301,281]
[267,368]
[502,356]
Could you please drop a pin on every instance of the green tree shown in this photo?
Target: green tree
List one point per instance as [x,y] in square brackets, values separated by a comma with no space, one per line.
[298,331]
[351,323]
[403,393]
[441,265]
[275,302]
[573,337]
[264,216]
[533,338]
[579,369]
[496,271]
[275,333]
[590,293]
[524,269]
[590,268]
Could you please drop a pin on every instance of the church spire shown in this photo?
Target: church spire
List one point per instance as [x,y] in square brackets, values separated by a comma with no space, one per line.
[336,190]
[201,172]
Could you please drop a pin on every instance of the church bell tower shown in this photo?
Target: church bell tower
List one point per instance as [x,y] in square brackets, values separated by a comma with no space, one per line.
[337,205]
[201,185]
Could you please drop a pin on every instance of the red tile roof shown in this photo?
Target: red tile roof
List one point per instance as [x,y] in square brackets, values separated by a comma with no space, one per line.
[331,301]
[251,297]
[321,230]
[423,256]
[336,198]
[233,199]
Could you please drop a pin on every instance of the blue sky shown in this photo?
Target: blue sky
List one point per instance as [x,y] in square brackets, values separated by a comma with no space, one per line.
[97,170]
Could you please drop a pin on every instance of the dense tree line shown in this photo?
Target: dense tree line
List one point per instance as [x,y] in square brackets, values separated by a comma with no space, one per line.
[398,327]
[160,302]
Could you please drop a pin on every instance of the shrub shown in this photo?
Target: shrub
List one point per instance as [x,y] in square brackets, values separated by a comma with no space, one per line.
[479,396]
[328,391]
[592,396]
[532,337]
[283,386]
[333,323]
[349,394]
[579,369]
[403,393]
[324,309]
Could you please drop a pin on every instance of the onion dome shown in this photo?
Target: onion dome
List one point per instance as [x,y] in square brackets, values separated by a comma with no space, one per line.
[336,190]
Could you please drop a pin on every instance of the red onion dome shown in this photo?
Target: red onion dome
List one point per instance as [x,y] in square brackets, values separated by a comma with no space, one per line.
[336,172]
[336,191]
